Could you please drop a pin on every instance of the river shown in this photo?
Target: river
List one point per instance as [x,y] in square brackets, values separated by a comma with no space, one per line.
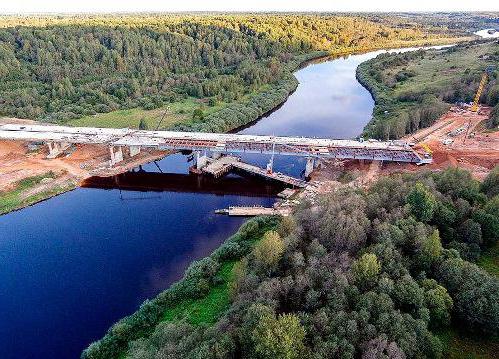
[73,265]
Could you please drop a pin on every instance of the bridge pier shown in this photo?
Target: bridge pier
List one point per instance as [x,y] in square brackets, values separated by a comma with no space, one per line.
[56,148]
[134,150]
[309,167]
[116,154]
[216,155]
[270,166]
[200,160]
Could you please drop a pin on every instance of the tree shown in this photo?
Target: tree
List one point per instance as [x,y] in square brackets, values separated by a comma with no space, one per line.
[198,114]
[143,125]
[458,183]
[490,186]
[279,338]
[422,202]
[475,294]
[212,102]
[239,272]
[269,250]
[366,268]
[431,247]
[438,301]
[493,121]
[489,225]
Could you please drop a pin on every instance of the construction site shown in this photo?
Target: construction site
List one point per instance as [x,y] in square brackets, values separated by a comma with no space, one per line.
[457,139]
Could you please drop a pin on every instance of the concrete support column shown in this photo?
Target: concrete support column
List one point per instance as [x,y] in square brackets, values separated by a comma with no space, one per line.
[201,160]
[216,155]
[116,154]
[134,150]
[56,148]
[270,166]
[309,167]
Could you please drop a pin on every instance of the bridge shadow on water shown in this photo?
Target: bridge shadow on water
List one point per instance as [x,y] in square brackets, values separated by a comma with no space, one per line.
[140,180]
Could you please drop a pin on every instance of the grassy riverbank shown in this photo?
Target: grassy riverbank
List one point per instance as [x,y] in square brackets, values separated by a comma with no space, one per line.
[199,298]
[412,90]
[19,196]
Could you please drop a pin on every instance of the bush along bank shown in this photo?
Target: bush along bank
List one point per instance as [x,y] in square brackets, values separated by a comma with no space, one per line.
[204,279]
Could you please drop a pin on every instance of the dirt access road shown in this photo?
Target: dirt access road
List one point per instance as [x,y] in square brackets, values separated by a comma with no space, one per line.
[458,139]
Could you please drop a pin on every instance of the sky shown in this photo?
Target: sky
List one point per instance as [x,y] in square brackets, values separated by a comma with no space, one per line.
[107,6]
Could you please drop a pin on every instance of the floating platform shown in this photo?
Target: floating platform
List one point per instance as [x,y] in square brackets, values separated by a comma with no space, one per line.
[248,211]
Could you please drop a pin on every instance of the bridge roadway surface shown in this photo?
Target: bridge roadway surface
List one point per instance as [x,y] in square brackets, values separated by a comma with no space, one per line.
[233,143]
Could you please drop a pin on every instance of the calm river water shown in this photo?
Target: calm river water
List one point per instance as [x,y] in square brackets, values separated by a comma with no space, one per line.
[73,265]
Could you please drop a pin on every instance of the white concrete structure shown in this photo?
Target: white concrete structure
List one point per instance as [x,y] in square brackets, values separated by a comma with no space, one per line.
[56,148]
[215,142]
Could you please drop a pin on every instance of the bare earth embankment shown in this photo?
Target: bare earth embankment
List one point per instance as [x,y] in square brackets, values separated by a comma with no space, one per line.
[27,176]
[451,142]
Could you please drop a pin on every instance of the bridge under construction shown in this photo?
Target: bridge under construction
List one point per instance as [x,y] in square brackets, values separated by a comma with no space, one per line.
[60,138]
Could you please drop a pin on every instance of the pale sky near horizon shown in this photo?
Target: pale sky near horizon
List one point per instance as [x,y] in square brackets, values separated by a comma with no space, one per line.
[109,6]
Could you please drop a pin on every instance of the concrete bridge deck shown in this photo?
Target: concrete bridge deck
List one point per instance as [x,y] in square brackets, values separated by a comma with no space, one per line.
[216,142]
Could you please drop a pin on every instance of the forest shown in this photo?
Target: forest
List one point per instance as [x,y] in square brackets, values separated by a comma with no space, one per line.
[58,69]
[376,273]
[412,90]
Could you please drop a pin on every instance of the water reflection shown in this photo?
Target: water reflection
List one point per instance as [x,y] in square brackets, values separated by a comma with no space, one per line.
[144,181]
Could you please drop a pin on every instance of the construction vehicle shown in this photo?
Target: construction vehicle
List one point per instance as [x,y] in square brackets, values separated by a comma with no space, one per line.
[427,148]
[481,86]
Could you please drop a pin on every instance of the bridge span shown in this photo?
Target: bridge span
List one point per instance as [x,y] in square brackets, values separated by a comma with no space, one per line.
[58,138]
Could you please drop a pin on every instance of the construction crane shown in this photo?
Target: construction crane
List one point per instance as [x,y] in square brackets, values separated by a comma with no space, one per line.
[481,86]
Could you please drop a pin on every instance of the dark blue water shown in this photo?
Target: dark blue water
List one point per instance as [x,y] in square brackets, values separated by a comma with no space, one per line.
[73,265]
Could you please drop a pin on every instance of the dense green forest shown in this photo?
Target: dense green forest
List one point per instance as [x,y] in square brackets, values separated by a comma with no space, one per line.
[235,67]
[414,89]
[377,273]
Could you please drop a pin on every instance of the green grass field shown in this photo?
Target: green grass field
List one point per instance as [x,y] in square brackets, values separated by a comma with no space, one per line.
[436,71]
[208,309]
[14,199]
[178,112]
[460,346]
[414,89]
[174,113]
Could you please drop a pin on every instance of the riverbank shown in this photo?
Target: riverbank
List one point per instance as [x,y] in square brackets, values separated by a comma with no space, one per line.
[200,297]
[32,190]
[289,280]
[412,90]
